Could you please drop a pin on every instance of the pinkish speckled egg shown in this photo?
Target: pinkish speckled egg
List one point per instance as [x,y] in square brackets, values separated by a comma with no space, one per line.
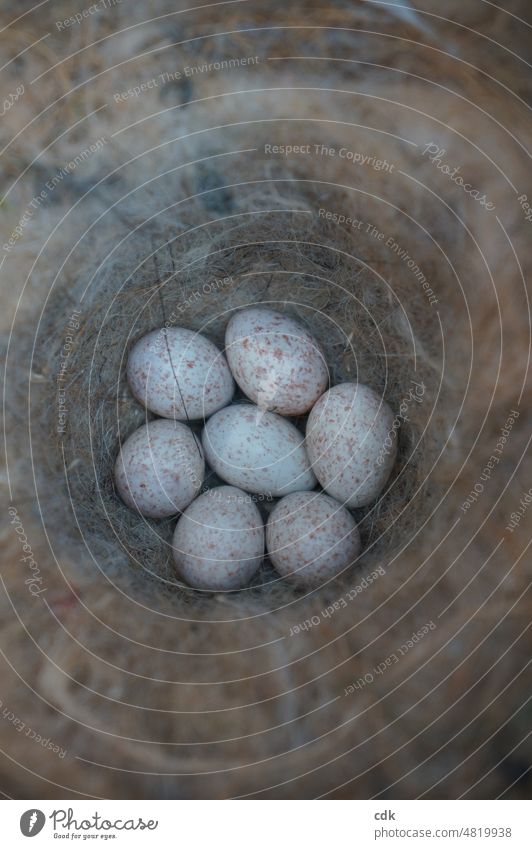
[351,443]
[160,469]
[218,543]
[310,538]
[275,361]
[178,373]
[258,451]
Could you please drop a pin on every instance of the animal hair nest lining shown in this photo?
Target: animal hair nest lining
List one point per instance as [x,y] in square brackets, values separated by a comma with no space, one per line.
[176,270]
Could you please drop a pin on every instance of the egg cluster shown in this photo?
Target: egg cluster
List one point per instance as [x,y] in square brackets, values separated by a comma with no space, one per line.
[348,450]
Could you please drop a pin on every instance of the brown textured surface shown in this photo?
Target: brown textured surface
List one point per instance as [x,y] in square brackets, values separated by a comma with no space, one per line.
[105,661]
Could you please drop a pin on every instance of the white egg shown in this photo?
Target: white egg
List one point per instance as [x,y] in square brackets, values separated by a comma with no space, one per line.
[178,373]
[258,451]
[218,543]
[310,538]
[160,469]
[275,361]
[351,443]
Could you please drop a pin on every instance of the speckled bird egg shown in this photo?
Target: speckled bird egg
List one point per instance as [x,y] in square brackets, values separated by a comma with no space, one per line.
[178,373]
[256,450]
[160,469]
[275,361]
[351,443]
[218,543]
[310,538]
